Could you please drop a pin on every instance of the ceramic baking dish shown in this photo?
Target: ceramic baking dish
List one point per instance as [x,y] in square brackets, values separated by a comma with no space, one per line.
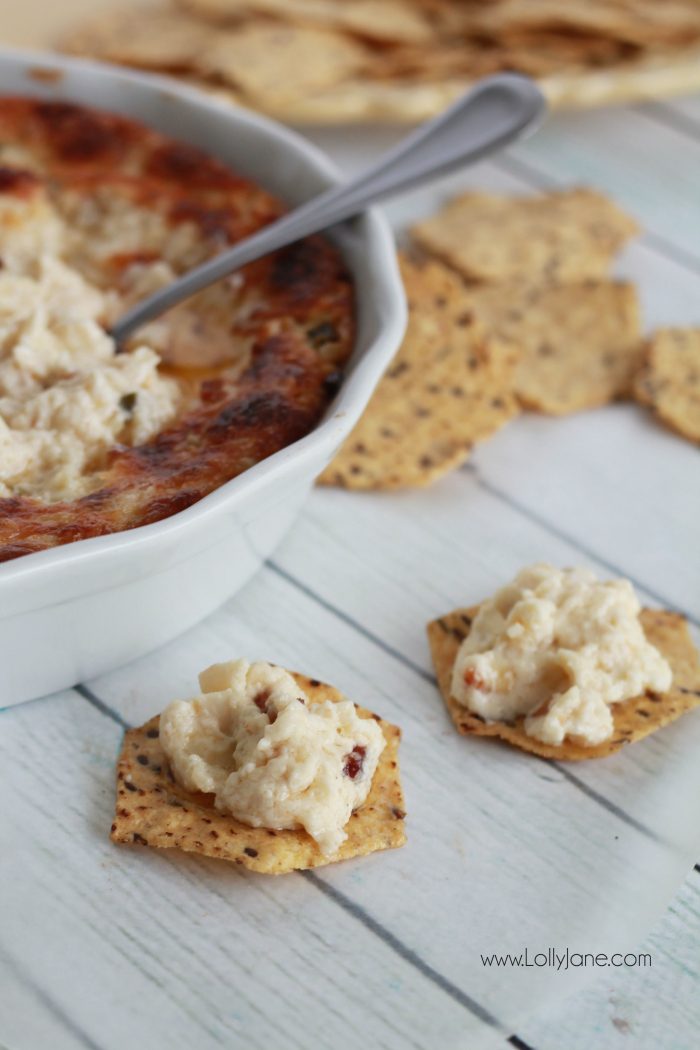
[76,611]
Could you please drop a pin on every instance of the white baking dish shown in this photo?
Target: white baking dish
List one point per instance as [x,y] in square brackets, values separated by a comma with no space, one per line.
[76,611]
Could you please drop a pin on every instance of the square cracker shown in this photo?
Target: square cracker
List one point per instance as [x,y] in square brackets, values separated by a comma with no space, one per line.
[449,386]
[153,810]
[633,719]
[669,380]
[566,236]
[579,345]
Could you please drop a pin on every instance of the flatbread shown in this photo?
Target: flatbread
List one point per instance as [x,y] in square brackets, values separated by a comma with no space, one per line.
[381,20]
[579,345]
[563,237]
[272,60]
[418,57]
[669,381]
[543,54]
[583,54]
[448,387]
[633,719]
[153,810]
[641,22]
[363,99]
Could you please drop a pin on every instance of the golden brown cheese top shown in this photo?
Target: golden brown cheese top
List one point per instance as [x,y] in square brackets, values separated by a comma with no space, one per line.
[97,211]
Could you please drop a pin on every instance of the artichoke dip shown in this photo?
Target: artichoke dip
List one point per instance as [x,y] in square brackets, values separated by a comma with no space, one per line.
[559,647]
[270,757]
[66,396]
[96,212]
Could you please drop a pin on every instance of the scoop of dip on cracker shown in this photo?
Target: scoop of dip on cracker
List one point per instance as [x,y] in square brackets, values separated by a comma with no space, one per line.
[266,768]
[559,647]
[564,666]
[269,756]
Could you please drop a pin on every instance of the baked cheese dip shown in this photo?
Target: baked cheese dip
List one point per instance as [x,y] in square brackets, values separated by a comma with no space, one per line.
[270,757]
[96,212]
[66,396]
[561,648]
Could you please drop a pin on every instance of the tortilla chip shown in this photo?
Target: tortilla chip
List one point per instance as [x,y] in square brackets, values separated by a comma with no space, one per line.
[148,38]
[579,345]
[271,60]
[669,381]
[153,810]
[563,237]
[448,387]
[633,719]
[381,20]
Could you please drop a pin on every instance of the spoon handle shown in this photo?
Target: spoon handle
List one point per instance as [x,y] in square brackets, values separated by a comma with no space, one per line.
[496,111]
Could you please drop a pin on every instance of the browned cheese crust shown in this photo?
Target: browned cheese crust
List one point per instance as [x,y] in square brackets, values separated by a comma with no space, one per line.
[288,318]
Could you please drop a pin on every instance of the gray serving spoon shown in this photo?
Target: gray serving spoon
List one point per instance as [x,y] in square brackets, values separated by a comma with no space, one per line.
[496,111]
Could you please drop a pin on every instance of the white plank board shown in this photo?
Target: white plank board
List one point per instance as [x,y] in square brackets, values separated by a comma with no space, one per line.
[654,1005]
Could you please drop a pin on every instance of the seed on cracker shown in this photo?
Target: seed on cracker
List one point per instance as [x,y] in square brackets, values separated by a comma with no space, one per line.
[449,386]
[669,380]
[579,345]
[153,810]
[559,237]
[633,719]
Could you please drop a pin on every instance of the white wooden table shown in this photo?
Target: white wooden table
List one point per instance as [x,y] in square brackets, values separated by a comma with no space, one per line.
[103,947]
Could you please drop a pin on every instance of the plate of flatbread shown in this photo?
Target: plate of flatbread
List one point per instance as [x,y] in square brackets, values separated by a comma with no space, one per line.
[401,61]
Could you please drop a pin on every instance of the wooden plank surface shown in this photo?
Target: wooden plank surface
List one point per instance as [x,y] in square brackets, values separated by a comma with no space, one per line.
[102,947]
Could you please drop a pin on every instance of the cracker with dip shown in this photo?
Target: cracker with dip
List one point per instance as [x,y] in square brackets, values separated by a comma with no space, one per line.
[268,769]
[564,666]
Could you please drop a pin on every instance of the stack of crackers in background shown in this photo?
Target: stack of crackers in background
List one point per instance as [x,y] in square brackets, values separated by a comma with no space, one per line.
[511,306]
[348,60]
